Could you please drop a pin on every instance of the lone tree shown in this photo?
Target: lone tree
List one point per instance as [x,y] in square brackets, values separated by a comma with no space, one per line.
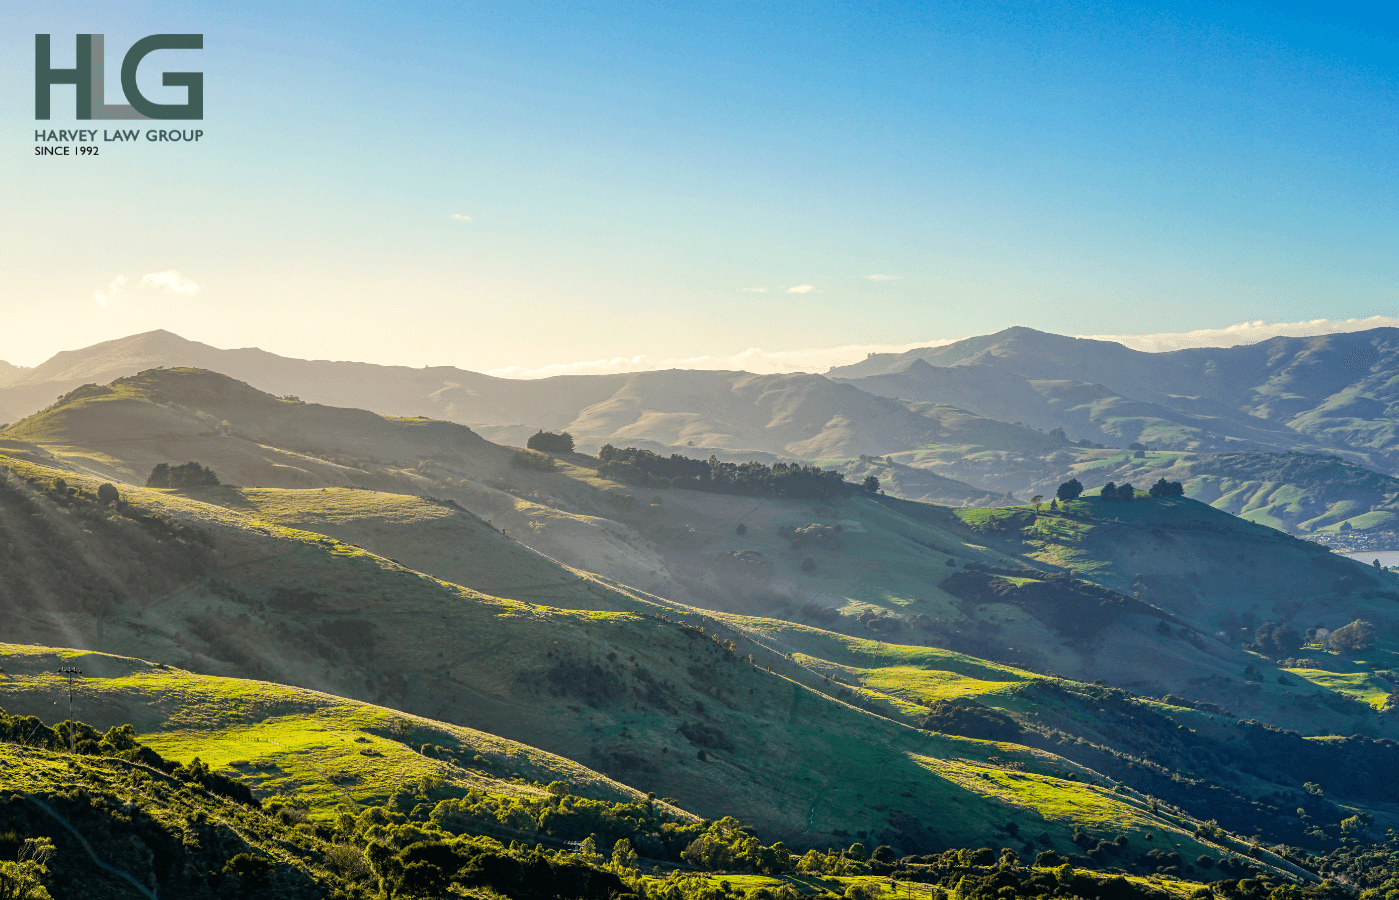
[1069,490]
[871,484]
[1164,488]
[1037,500]
[1358,635]
[1126,492]
[1109,491]
[107,495]
[549,442]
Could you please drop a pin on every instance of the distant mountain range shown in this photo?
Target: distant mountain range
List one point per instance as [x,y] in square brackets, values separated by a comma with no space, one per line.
[1013,413]
[1334,393]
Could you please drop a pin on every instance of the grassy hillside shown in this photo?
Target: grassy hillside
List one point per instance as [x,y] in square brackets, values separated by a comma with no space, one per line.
[115,819]
[864,566]
[628,694]
[325,749]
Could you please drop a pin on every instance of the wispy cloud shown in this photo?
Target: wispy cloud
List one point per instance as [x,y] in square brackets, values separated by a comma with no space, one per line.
[170,280]
[461,218]
[801,289]
[884,277]
[1243,333]
[122,288]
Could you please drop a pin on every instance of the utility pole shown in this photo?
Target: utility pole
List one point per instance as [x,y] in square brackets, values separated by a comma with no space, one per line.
[70,673]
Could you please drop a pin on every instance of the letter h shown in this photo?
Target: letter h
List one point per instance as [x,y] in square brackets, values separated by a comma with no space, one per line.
[45,77]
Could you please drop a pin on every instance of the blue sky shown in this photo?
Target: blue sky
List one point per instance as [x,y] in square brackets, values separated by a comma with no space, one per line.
[655,180]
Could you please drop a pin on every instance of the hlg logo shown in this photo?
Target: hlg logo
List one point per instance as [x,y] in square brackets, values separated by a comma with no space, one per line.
[88,76]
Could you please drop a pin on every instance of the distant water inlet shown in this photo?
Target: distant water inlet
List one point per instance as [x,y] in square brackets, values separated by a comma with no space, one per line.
[1386,557]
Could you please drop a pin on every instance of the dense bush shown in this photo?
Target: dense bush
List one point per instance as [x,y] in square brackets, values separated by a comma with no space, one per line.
[533,460]
[189,475]
[549,442]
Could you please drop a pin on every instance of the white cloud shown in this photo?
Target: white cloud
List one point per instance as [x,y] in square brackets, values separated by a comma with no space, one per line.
[801,289]
[172,280]
[461,218]
[114,289]
[121,287]
[753,290]
[1243,333]
[884,277]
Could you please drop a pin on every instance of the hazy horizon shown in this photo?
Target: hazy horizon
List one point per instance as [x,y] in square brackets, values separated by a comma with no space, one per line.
[820,360]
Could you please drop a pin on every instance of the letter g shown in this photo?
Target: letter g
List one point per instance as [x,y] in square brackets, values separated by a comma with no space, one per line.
[193,107]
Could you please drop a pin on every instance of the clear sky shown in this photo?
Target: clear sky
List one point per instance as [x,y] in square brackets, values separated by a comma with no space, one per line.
[532,184]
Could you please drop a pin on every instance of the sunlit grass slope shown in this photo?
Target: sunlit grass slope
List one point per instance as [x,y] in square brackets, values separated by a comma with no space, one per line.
[278,739]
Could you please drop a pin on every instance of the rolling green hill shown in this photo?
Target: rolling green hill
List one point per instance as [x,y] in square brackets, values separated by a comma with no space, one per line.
[865,668]
[629,694]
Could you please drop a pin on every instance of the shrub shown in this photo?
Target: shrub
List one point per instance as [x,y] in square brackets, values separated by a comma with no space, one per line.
[532,460]
[549,442]
[107,495]
[256,870]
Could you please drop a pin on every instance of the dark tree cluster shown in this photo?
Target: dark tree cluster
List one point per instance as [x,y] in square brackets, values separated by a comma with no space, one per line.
[549,442]
[1353,638]
[1164,488]
[1117,493]
[1069,490]
[1277,639]
[189,475]
[791,481]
